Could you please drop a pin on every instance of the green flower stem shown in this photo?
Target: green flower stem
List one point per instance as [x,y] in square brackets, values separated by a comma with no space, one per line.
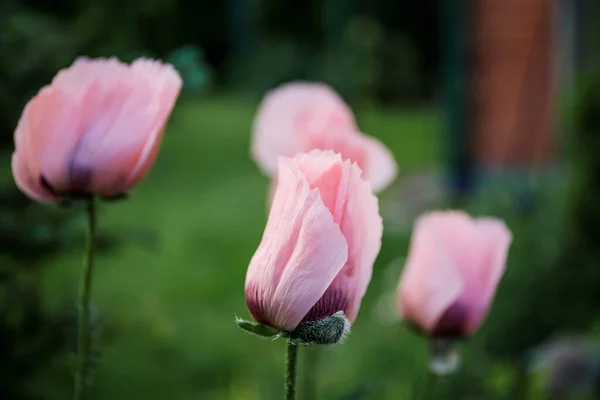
[291,361]
[85,286]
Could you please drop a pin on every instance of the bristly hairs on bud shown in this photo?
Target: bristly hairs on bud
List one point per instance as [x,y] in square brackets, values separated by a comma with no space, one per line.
[328,331]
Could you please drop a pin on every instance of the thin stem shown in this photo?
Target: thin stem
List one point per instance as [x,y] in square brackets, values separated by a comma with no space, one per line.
[291,361]
[311,361]
[85,286]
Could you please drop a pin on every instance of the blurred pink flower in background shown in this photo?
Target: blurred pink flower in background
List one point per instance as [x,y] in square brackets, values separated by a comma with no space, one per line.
[95,130]
[453,267]
[301,116]
[319,245]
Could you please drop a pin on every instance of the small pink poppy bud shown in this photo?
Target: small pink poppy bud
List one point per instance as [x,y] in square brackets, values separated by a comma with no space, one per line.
[318,248]
[453,267]
[301,116]
[95,130]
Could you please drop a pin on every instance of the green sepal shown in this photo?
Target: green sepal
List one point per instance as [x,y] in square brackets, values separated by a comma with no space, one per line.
[257,329]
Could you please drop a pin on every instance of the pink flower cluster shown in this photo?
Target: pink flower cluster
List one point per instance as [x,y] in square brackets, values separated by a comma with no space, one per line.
[96,130]
[324,230]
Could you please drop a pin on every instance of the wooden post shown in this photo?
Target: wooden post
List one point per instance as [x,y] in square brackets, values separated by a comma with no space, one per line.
[513,84]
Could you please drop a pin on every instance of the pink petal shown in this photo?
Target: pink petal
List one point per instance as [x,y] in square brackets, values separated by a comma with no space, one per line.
[495,239]
[28,184]
[123,140]
[66,162]
[349,145]
[355,209]
[477,248]
[344,150]
[45,115]
[363,228]
[75,80]
[430,282]
[380,167]
[170,85]
[90,100]
[289,113]
[376,161]
[301,252]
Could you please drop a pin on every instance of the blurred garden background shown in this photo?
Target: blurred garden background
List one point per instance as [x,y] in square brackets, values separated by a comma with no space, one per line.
[489,106]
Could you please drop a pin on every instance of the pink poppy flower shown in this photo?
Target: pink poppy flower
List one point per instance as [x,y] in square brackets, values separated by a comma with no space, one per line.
[95,130]
[318,248]
[301,116]
[454,265]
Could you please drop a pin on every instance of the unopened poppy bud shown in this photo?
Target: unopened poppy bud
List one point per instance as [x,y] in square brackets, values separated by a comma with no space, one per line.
[454,265]
[318,248]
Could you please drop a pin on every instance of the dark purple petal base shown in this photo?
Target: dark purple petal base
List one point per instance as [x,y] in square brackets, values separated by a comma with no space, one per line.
[453,323]
[256,304]
[332,301]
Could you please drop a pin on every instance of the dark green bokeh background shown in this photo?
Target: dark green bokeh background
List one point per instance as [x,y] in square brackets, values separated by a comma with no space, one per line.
[173,257]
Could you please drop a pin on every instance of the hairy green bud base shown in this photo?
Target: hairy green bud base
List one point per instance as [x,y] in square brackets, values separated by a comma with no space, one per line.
[327,331]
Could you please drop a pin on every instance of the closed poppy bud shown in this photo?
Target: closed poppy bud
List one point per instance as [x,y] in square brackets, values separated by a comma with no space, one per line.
[453,267]
[319,245]
[301,116]
[95,130]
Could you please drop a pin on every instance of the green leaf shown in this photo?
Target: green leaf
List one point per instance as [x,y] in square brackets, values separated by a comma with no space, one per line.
[257,329]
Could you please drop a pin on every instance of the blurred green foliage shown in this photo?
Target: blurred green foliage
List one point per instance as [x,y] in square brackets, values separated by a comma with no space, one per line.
[168,289]
[365,65]
[368,63]
[191,64]
[33,47]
